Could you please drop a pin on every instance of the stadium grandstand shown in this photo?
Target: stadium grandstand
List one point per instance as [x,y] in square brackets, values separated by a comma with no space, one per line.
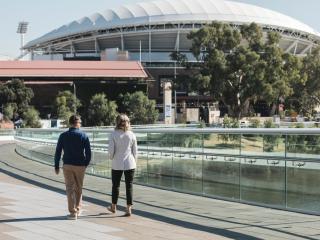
[150,31]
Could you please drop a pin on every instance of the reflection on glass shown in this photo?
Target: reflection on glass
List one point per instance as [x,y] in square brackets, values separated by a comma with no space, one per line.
[159,160]
[100,163]
[263,181]
[187,162]
[221,176]
[263,145]
[222,143]
[274,170]
[303,146]
[303,178]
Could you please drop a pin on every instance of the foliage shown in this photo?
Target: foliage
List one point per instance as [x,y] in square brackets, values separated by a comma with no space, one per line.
[296,142]
[230,123]
[307,89]
[9,110]
[313,143]
[254,123]
[270,141]
[228,67]
[239,67]
[16,97]
[31,118]
[139,108]
[276,82]
[101,112]
[65,105]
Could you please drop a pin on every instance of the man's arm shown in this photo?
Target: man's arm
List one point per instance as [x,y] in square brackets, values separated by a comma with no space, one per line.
[87,150]
[57,155]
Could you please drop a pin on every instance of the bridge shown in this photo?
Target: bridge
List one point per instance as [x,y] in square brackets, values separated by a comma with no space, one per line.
[190,184]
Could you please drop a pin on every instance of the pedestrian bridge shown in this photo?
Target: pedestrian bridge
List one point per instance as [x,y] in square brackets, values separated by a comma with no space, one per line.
[278,168]
[228,183]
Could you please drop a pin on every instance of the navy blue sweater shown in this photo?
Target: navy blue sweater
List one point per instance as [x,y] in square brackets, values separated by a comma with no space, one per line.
[76,148]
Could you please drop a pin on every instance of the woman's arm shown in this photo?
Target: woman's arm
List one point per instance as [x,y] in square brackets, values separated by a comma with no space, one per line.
[135,148]
[111,148]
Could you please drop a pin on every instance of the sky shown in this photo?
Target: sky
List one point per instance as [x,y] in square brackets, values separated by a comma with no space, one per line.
[46,15]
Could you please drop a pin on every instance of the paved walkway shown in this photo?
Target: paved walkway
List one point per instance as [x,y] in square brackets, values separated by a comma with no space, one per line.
[31,213]
[37,206]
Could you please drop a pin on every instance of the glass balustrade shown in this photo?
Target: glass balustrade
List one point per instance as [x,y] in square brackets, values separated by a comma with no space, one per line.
[277,168]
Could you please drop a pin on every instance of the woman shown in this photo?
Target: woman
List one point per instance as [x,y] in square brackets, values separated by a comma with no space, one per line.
[123,152]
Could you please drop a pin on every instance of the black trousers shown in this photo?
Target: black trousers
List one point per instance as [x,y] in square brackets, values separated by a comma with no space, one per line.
[116,178]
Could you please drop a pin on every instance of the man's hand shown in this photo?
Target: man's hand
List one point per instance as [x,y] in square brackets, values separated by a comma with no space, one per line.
[57,170]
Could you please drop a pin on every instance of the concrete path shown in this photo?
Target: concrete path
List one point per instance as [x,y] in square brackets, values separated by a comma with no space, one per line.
[28,212]
[158,214]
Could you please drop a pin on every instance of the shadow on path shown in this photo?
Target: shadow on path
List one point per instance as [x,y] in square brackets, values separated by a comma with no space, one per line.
[162,218]
[55,218]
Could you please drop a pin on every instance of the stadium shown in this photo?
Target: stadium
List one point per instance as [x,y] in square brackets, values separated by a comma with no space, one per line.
[150,31]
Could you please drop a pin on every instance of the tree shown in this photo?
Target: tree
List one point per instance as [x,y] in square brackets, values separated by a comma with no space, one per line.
[9,110]
[31,118]
[270,141]
[65,105]
[239,67]
[307,90]
[139,108]
[277,78]
[232,70]
[293,74]
[101,112]
[17,95]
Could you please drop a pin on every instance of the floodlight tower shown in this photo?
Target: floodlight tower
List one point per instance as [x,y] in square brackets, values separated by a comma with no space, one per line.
[22,30]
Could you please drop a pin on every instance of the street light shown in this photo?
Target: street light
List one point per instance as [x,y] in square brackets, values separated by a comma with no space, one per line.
[75,97]
[22,30]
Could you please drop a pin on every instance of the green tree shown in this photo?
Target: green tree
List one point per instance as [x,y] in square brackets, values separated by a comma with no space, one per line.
[16,94]
[139,108]
[277,81]
[101,112]
[9,110]
[65,105]
[272,140]
[254,123]
[307,90]
[31,118]
[232,70]
[238,67]
[293,72]
[230,123]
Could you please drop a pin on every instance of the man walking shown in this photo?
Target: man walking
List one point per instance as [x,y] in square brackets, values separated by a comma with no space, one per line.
[76,157]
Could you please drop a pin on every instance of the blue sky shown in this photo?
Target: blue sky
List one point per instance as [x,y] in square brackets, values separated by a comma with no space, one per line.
[46,15]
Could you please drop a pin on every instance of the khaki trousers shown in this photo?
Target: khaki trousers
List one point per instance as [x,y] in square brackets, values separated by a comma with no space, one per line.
[73,177]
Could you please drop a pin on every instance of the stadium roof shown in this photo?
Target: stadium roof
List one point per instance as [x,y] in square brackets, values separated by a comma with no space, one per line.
[81,69]
[171,11]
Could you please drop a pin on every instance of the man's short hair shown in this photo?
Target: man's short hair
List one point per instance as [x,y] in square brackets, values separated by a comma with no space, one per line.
[73,119]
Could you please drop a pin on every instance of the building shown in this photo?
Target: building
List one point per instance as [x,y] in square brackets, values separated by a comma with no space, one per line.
[84,79]
[150,31]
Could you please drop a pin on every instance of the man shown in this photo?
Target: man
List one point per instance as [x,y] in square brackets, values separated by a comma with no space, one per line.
[76,157]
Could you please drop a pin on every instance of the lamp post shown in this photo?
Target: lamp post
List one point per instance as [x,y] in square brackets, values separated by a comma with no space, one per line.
[175,92]
[75,97]
[22,30]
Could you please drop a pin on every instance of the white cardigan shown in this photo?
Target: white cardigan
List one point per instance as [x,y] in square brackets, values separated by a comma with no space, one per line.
[123,150]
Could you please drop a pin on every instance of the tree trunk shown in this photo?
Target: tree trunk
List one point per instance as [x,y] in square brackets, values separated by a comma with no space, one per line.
[273,109]
[245,108]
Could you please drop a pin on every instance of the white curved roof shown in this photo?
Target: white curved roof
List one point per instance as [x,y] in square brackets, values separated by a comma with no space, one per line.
[170,11]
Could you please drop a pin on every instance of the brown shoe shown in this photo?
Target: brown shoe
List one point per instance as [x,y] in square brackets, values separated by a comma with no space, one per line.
[72,216]
[112,208]
[128,212]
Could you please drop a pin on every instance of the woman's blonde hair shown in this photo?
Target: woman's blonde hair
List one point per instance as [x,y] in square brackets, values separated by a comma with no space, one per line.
[123,122]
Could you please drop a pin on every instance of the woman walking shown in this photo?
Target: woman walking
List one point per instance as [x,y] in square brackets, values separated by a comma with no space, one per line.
[123,153]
